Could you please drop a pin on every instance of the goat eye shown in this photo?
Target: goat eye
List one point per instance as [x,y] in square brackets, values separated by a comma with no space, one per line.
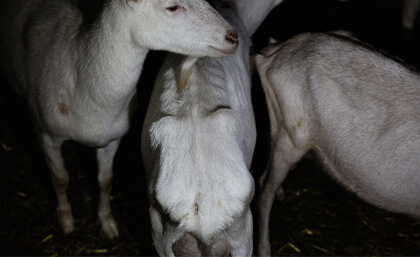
[173,8]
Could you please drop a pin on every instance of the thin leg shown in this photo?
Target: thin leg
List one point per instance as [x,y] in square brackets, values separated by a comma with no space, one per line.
[284,155]
[60,180]
[240,236]
[157,230]
[164,234]
[105,158]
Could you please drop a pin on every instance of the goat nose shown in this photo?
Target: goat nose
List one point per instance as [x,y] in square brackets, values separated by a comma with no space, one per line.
[232,37]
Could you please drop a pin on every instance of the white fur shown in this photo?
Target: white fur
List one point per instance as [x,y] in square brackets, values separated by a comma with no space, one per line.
[197,146]
[79,78]
[356,108]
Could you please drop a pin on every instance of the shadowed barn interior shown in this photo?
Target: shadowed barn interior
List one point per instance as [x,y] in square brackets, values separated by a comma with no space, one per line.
[317,216]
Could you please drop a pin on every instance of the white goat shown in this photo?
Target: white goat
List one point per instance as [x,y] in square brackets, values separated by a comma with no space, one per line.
[356,108]
[79,79]
[197,145]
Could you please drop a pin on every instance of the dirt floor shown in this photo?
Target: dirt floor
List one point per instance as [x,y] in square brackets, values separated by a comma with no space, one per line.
[317,217]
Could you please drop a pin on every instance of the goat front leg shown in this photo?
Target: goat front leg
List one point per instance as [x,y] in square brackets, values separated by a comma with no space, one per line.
[105,159]
[240,236]
[164,234]
[51,148]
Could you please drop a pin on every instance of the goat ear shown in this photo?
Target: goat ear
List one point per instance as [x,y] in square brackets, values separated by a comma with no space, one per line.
[186,70]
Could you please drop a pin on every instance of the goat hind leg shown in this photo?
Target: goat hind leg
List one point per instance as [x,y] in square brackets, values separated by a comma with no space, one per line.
[284,155]
[105,159]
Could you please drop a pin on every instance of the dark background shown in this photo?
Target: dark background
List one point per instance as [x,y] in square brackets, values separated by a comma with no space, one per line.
[317,217]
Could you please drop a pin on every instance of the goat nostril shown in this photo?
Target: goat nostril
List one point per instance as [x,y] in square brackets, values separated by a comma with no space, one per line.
[232,37]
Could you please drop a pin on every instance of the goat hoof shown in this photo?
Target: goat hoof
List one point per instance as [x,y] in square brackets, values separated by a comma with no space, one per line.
[66,224]
[110,229]
[66,221]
